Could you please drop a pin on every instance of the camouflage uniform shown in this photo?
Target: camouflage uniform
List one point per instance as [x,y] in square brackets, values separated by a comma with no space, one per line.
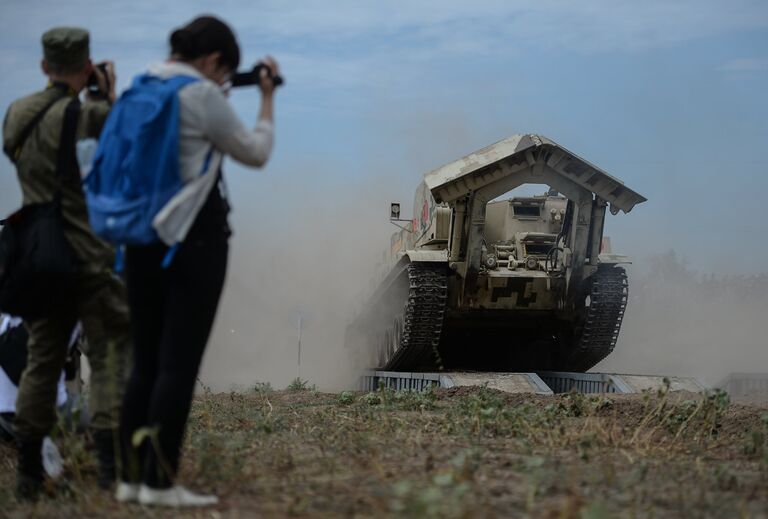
[98,297]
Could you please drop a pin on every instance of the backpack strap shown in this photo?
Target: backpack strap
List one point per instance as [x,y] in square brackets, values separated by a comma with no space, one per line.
[119,264]
[169,255]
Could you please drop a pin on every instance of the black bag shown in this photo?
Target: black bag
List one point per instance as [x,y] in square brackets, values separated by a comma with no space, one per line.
[36,260]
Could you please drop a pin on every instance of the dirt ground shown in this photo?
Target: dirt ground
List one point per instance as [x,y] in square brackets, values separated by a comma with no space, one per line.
[759,398]
[461,452]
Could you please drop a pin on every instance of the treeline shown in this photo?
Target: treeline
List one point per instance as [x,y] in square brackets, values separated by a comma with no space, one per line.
[668,276]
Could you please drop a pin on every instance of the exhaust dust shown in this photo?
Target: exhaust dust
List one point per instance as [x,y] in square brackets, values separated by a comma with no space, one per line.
[680,322]
[311,258]
[312,249]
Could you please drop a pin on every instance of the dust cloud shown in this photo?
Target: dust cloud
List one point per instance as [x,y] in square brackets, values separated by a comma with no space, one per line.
[310,257]
[680,322]
[316,250]
[309,243]
[318,254]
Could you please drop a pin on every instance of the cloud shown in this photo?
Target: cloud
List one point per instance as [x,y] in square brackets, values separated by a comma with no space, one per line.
[586,26]
[352,44]
[746,65]
[485,25]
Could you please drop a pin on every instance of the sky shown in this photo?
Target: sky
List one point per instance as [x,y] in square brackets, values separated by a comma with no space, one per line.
[669,96]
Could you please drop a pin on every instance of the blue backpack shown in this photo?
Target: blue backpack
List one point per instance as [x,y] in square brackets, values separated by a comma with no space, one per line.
[136,167]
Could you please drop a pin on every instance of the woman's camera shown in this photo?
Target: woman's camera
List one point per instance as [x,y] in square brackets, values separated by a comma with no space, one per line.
[241,79]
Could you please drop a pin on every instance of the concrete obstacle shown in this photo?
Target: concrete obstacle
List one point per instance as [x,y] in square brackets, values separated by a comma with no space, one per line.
[740,385]
[543,382]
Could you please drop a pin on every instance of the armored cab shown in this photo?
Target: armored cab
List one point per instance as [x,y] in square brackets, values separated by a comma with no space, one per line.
[478,282]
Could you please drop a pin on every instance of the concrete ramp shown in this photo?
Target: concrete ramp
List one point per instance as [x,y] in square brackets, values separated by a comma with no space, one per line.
[508,382]
[543,382]
[743,384]
[639,383]
[564,382]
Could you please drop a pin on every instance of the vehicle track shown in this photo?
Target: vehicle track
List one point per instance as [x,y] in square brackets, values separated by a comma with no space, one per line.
[415,334]
[608,295]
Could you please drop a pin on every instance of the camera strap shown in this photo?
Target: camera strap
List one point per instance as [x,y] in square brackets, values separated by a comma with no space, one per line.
[66,156]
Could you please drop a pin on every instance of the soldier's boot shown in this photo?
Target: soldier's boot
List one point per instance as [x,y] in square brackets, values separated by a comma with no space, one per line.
[104,440]
[29,471]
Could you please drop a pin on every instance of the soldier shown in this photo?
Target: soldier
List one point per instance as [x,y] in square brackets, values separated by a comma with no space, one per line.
[98,297]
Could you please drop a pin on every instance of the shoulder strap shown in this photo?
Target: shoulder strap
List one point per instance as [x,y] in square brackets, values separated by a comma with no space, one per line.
[14,150]
[66,156]
[179,82]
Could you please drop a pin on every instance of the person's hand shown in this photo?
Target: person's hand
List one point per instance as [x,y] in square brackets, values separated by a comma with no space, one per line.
[106,82]
[271,70]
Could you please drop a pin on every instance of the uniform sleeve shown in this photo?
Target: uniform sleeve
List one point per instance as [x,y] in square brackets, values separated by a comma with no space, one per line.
[93,116]
[228,134]
[8,140]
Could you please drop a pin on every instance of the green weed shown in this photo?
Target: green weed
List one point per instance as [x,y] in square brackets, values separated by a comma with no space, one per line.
[345,398]
[371,399]
[262,387]
[297,384]
[408,400]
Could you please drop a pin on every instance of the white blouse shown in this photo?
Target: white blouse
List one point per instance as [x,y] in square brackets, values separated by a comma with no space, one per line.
[207,123]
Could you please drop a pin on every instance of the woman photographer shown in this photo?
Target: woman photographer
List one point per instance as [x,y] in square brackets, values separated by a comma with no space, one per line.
[173,308]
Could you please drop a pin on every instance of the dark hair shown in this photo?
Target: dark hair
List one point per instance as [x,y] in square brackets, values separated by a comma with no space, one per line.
[204,35]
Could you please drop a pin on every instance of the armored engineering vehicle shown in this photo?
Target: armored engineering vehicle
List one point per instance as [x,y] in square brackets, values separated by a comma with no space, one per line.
[475,282]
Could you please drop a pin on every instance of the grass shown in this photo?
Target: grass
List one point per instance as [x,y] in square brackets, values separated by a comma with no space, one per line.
[461,452]
[299,384]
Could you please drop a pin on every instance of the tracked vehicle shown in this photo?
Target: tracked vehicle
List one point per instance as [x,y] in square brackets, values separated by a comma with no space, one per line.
[476,282]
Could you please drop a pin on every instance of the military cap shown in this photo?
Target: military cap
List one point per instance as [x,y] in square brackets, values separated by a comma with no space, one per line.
[66,46]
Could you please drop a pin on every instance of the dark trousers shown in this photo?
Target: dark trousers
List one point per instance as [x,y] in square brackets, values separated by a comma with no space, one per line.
[173,310]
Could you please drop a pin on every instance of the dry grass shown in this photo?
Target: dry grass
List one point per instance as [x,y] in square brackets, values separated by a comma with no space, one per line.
[464,452]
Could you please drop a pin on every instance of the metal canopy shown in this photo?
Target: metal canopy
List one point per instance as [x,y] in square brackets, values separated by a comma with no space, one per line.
[532,158]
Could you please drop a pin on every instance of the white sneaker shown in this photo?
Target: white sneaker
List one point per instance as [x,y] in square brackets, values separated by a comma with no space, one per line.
[127,492]
[176,496]
[52,462]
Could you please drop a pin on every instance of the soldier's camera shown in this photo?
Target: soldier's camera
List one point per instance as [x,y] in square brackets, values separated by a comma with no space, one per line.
[93,82]
[252,77]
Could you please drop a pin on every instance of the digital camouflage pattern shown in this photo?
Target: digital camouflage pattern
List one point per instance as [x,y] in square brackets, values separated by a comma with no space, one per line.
[524,284]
